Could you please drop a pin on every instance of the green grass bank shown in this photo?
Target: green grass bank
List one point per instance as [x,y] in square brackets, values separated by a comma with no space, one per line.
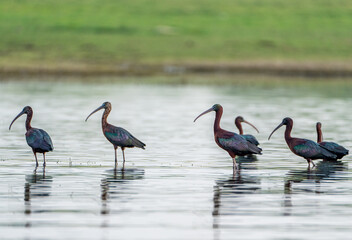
[101,34]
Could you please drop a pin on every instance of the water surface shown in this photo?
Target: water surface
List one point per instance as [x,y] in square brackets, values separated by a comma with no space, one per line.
[181,186]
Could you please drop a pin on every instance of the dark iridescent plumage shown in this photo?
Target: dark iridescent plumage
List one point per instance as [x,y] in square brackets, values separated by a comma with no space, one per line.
[248,137]
[121,137]
[332,147]
[308,149]
[118,136]
[231,142]
[305,148]
[36,138]
[251,139]
[39,140]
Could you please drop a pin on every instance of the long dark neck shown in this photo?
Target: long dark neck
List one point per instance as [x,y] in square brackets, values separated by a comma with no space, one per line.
[239,126]
[28,120]
[106,113]
[288,131]
[217,119]
[320,134]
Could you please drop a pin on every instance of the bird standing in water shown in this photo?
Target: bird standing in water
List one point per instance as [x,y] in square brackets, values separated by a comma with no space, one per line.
[118,136]
[332,147]
[248,137]
[36,138]
[305,148]
[231,142]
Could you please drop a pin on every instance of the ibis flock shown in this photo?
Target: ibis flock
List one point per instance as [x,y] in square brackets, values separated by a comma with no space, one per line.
[234,144]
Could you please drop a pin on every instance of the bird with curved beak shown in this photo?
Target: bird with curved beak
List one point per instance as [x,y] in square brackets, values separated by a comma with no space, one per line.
[36,138]
[332,147]
[118,136]
[305,148]
[248,137]
[231,142]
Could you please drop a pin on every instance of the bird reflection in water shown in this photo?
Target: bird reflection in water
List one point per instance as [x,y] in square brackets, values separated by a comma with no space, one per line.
[325,170]
[228,193]
[37,185]
[247,162]
[115,185]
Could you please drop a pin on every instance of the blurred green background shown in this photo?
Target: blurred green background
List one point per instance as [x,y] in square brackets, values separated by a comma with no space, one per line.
[56,32]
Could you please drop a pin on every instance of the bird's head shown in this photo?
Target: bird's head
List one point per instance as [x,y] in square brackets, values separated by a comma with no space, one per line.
[105,105]
[286,121]
[215,107]
[240,119]
[25,110]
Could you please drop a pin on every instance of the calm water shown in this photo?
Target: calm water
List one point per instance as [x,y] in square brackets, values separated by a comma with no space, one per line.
[181,186]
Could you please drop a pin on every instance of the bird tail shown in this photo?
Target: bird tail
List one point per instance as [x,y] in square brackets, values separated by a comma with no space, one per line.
[255,149]
[138,143]
[336,149]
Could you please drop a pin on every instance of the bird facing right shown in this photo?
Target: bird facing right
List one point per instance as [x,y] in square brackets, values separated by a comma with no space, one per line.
[248,137]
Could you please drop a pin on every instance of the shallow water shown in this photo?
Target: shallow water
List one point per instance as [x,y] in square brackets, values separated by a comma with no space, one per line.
[181,186]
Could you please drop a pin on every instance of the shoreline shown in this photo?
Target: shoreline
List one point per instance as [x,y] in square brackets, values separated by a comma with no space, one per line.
[265,68]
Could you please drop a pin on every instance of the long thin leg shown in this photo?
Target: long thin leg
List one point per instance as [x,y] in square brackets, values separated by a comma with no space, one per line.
[115,157]
[313,163]
[35,169]
[36,159]
[44,163]
[43,172]
[310,162]
[234,165]
[123,154]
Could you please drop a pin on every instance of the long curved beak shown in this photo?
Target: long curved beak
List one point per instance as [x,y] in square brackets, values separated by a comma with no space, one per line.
[281,124]
[96,110]
[251,125]
[19,115]
[205,112]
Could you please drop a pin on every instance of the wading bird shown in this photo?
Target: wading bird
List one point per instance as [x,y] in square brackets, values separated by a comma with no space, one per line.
[305,148]
[248,137]
[36,138]
[231,142]
[118,136]
[332,147]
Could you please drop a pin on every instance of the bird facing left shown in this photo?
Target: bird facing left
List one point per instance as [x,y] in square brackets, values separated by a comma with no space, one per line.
[38,139]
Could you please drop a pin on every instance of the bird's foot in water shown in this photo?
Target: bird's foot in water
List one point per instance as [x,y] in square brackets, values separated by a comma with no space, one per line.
[235,165]
[310,162]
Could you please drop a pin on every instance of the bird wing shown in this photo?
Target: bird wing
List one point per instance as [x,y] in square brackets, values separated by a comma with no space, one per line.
[235,142]
[39,139]
[334,148]
[251,139]
[121,137]
[309,149]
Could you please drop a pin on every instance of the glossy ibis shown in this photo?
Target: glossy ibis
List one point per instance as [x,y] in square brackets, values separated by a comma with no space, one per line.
[332,147]
[231,142]
[248,137]
[118,136]
[36,138]
[305,148]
